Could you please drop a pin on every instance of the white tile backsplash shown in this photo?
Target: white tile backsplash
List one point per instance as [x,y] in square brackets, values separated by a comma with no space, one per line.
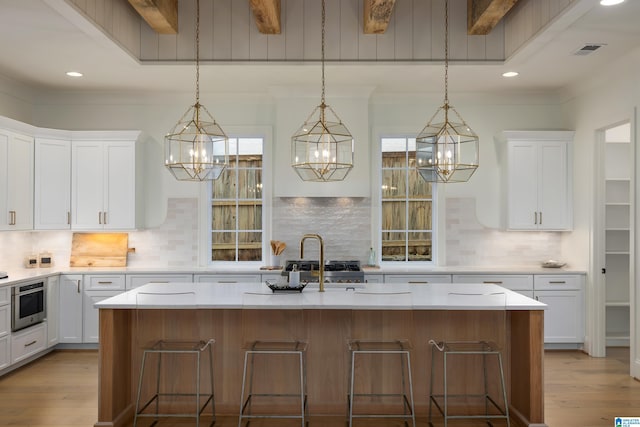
[343,223]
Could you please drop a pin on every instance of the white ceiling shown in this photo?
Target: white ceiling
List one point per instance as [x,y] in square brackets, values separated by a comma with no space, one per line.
[38,45]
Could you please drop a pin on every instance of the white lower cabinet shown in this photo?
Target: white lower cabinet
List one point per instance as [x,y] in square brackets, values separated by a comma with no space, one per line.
[70,309]
[417,279]
[137,280]
[227,278]
[373,278]
[5,352]
[5,328]
[28,342]
[90,315]
[564,317]
[53,314]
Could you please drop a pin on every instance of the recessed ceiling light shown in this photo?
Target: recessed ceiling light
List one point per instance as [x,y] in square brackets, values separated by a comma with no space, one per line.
[510,74]
[610,2]
[74,74]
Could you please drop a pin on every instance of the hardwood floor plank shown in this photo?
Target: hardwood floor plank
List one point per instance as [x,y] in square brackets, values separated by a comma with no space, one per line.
[60,389]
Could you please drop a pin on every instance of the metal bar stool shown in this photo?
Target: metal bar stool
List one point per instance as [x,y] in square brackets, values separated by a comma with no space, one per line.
[170,399]
[482,402]
[267,351]
[201,399]
[360,348]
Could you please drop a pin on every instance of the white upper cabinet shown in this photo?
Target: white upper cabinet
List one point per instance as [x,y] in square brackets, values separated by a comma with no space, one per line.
[538,180]
[104,182]
[52,190]
[16,181]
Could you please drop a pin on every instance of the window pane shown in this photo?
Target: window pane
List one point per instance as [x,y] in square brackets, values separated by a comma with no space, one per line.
[250,184]
[393,183]
[419,215]
[418,187]
[250,215]
[223,246]
[420,246]
[223,216]
[393,215]
[394,246]
[394,159]
[249,246]
[225,186]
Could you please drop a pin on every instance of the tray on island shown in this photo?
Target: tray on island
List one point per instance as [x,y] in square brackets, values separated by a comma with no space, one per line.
[284,287]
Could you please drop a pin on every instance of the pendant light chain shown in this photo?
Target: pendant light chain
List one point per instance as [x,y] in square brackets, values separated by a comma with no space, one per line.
[322,50]
[446,52]
[197,52]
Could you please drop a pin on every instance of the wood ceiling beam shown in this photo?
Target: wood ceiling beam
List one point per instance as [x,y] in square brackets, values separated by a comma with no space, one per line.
[267,15]
[483,15]
[161,15]
[376,15]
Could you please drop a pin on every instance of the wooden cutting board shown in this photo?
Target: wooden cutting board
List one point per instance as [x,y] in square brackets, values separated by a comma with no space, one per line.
[99,250]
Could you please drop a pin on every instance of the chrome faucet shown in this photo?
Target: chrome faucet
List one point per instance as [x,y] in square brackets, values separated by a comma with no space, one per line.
[321,262]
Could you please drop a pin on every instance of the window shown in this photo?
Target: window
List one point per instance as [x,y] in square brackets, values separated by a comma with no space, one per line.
[236,204]
[406,204]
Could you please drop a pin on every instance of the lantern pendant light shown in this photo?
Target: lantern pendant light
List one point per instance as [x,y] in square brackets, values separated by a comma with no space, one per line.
[196,148]
[447,148]
[322,148]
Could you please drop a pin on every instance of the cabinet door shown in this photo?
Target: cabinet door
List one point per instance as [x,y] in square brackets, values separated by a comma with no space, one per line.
[564,316]
[137,280]
[5,352]
[227,278]
[417,279]
[52,190]
[91,321]
[522,186]
[70,308]
[53,314]
[16,182]
[553,195]
[4,180]
[119,186]
[87,185]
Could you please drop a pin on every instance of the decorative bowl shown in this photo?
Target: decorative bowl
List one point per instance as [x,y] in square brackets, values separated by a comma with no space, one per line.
[284,287]
[553,264]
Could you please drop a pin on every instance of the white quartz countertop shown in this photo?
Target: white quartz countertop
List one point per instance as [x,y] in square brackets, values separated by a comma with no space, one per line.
[434,296]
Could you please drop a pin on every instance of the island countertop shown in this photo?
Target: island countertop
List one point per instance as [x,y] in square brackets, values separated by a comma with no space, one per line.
[433,296]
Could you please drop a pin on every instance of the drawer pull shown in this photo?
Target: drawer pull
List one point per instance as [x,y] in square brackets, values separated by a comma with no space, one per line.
[31,343]
[227,281]
[418,283]
[105,283]
[557,282]
[496,282]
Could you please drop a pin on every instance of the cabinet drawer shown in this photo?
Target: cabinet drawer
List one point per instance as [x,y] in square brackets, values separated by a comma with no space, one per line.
[107,282]
[137,280]
[560,282]
[5,295]
[5,352]
[514,282]
[228,278]
[28,342]
[417,279]
[5,320]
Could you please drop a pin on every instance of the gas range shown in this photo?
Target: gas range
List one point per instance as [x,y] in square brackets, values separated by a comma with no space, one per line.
[334,271]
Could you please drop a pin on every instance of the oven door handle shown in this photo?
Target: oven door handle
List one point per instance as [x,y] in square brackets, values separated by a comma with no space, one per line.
[29,292]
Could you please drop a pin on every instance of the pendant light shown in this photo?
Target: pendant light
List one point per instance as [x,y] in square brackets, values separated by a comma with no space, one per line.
[322,148]
[196,148]
[447,148]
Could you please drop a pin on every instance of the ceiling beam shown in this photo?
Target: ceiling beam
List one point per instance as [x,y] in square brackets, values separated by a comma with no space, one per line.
[483,15]
[267,15]
[161,15]
[376,15]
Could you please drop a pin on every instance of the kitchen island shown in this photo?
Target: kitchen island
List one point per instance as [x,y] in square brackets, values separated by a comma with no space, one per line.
[236,314]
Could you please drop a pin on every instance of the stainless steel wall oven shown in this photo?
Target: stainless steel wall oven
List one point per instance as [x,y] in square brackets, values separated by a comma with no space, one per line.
[28,305]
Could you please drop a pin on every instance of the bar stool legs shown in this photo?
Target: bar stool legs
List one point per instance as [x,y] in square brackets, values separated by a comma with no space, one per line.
[179,349]
[493,409]
[269,350]
[360,348]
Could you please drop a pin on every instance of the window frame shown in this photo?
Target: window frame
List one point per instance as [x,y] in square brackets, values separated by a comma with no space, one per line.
[204,201]
[437,249]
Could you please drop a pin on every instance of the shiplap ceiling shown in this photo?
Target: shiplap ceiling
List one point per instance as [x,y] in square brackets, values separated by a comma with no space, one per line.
[42,39]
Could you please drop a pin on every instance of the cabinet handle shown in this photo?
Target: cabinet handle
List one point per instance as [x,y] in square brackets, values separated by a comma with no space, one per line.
[12,217]
[31,343]
[496,282]
[418,283]
[104,283]
[78,285]
[535,218]
[104,217]
[540,217]
[68,218]
[99,217]
[557,282]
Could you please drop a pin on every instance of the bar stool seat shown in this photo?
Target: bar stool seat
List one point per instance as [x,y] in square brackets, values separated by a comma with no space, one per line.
[468,405]
[394,403]
[274,400]
[163,400]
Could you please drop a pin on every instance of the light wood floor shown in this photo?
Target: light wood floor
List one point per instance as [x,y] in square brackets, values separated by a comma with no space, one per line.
[60,389]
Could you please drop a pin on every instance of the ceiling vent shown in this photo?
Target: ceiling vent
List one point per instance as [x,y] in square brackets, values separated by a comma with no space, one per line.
[588,49]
